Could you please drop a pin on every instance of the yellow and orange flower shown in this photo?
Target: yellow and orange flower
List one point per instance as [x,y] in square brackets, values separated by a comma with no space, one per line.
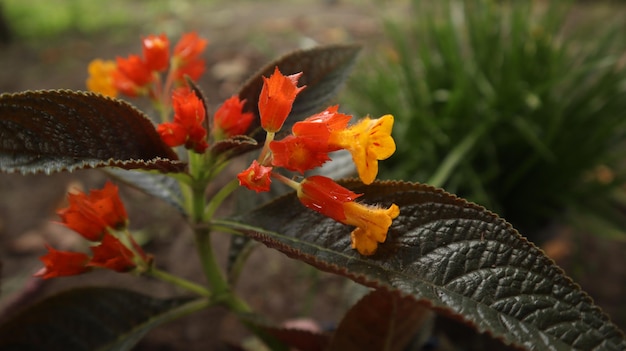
[368,141]
[323,195]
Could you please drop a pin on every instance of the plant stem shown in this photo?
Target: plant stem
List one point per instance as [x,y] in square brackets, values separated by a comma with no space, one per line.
[219,197]
[180,282]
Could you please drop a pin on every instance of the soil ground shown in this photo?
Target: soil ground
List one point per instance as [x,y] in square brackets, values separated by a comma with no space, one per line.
[243,36]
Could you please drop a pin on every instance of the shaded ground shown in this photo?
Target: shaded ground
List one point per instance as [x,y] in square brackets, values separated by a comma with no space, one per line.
[243,37]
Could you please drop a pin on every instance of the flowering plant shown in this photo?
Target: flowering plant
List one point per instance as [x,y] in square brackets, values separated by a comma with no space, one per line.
[423,251]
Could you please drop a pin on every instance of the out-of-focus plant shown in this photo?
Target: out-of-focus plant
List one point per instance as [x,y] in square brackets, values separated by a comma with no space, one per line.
[422,251]
[496,102]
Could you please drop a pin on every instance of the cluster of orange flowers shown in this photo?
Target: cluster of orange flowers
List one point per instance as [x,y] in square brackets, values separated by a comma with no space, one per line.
[308,146]
[100,216]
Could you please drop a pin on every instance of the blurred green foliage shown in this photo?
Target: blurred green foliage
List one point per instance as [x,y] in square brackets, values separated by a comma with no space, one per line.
[43,19]
[497,102]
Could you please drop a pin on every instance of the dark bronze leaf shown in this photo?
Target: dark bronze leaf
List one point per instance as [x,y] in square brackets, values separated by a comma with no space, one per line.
[464,260]
[55,130]
[90,319]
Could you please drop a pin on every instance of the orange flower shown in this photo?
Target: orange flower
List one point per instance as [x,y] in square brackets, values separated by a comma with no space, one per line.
[101,77]
[172,134]
[62,263]
[300,154]
[156,52]
[188,127]
[90,215]
[132,75]
[230,120]
[112,254]
[323,195]
[321,124]
[368,141]
[276,98]
[256,177]
[189,47]
[186,57]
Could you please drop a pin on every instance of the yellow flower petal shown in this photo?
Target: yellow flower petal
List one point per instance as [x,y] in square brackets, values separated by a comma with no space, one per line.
[368,141]
[372,225]
[100,79]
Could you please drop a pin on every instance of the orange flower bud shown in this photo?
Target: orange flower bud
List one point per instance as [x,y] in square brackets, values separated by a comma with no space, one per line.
[62,263]
[300,154]
[276,98]
[112,254]
[90,215]
[230,120]
[256,177]
[156,52]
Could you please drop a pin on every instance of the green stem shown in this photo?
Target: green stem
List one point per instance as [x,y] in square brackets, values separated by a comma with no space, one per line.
[219,197]
[180,282]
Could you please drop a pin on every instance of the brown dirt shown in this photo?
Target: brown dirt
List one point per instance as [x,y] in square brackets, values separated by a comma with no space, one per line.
[243,35]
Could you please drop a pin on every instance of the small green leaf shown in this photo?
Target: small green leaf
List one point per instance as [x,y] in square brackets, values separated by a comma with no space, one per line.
[55,130]
[324,71]
[457,256]
[382,320]
[91,319]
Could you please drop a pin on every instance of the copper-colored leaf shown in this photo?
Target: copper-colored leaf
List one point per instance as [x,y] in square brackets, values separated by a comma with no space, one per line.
[382,320]
[55,130]
[461,258]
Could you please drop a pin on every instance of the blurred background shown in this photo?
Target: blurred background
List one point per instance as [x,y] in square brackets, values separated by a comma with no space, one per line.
[519,106]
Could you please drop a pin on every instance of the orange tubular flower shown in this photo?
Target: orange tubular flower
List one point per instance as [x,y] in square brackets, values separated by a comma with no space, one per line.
[368,141]
[300,154]
[230,120]
[132,75]
[324,122]
[187,128]
[112,254]
[276,98]
[187,56]
[62,263]
[323,195]
[100,77]
[256,177]
[156,52]
[90,215]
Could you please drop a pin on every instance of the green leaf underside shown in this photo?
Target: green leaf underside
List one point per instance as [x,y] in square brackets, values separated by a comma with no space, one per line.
[460,258]
[158,185]
[382,320]
[55,130]
[90,319]
[324,69]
